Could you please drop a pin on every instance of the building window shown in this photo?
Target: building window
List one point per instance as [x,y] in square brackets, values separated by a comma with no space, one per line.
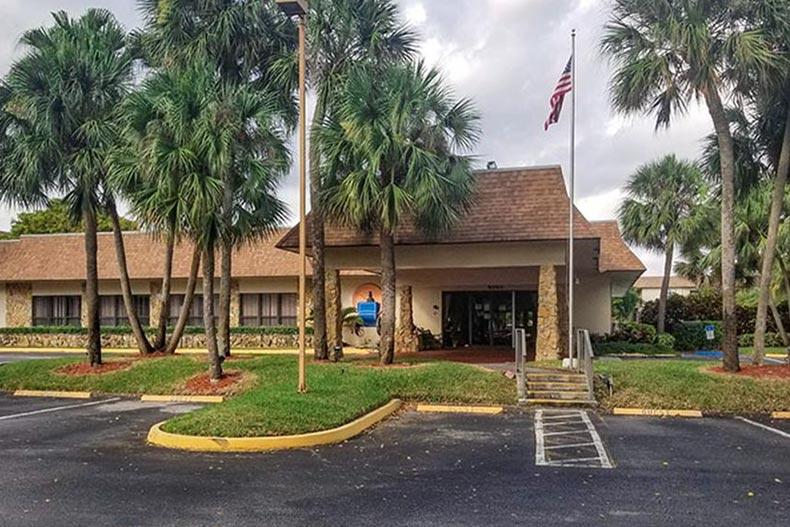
[57,311]
[195,312]
[269,309]
[113,311]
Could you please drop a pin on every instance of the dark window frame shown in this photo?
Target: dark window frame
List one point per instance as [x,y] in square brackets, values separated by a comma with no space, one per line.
[261,320]
[120,318]
[72,310]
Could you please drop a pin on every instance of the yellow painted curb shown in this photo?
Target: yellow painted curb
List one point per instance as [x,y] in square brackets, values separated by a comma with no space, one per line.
[440,408]
[182,398]
[263,444]
[780,415]
[45,393]
[657,413]
[776,355]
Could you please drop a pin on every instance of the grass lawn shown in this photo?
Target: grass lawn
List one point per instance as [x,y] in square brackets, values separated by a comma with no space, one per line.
[338,393]
[674,384]
[750,351]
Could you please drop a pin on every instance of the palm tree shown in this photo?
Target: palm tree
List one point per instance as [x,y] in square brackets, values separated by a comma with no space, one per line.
[247,42]
[772,106]
[669,52]
[341,34]
[394,152]
[660,212]
[56,126]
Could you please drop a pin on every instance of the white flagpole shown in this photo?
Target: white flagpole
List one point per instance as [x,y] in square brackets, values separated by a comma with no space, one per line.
[571,196]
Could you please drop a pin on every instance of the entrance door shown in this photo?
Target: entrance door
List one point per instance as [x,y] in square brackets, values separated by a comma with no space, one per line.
[485,318]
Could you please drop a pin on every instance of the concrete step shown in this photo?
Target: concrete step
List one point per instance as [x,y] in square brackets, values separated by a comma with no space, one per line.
[561,402]
[557,395]
[557,377]
[558,386]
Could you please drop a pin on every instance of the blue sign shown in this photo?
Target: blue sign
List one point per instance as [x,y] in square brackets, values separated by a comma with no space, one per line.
[710,332]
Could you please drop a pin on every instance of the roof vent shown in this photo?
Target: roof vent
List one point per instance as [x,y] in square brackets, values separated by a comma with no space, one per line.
[491,165]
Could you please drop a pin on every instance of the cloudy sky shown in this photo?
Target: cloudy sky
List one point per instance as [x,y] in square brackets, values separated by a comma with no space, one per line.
[507,56]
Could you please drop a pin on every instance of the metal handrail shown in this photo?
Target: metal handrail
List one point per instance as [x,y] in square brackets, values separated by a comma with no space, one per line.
[584,359]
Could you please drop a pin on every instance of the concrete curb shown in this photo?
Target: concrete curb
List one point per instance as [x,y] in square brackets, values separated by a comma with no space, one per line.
[52,394]
[441,408]
[210,399]
[185,351]
[656,413]
[160,438]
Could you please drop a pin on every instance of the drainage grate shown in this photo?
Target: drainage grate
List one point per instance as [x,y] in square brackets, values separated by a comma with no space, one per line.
[568,438]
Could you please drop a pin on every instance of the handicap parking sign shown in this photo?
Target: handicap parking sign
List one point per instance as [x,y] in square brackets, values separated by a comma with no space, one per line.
[710,332]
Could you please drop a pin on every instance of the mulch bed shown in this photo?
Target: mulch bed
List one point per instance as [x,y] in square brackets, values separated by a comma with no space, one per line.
[757,372]
[202,384]
[84,368]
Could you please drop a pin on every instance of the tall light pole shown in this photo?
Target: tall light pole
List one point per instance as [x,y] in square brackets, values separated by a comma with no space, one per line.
[299,8]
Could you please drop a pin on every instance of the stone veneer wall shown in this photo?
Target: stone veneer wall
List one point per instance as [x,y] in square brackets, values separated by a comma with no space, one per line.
[19,305]
[235,304]
[549,338]
[406,340]
[61,340]
[156,303]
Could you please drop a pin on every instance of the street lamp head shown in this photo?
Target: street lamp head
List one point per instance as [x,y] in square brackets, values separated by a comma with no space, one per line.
[293,7]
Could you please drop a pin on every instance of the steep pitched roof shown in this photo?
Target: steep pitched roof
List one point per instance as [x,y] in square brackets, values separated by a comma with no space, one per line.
[511,205]
[62,257]
[615,254]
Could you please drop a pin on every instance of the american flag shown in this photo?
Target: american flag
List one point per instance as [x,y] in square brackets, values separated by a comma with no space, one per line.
[564,86]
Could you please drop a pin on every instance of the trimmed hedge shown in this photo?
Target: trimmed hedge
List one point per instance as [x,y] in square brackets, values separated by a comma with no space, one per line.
[691,336]
[123,330]
[772,340]
[629,348]
[634,333]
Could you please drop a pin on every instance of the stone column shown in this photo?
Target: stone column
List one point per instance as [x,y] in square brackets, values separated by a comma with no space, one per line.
[156,302]
[235,304]
[334,309]
[84,305]
[19,305]
[406,340]
[548,343]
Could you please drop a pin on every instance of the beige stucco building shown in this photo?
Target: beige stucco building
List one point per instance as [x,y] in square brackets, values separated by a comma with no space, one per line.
[502,266]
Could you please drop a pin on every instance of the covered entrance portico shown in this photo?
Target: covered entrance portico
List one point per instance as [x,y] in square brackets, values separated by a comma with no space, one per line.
[488,318]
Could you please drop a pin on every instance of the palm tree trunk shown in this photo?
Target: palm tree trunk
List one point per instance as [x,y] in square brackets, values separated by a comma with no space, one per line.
[208,315]
[183,316]
[769,253]
[388,285]
[778,321]
[320,346]
[126,286]
[93,344]
[662,298]
[727,161]
[223,331]
[167,284]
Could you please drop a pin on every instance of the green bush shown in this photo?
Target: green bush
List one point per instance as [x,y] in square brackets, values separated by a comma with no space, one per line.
[666,341]
[691,336]
[772,340]
[634,333]
[124,330]
[628,348]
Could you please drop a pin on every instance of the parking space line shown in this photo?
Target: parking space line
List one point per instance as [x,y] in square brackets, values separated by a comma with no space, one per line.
[547,443]
[58,409]
[764,427]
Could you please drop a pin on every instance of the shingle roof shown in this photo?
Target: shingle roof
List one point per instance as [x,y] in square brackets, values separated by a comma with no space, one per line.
[654,282]
[615,254]
[521,204]
[62,257]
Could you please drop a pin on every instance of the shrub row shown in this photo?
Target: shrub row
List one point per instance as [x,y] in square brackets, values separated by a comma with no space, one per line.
[123,330]
[629,348]
[772,340]
[705,304]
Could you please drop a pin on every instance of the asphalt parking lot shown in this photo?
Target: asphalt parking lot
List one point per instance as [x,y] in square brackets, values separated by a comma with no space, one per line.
[70,462]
